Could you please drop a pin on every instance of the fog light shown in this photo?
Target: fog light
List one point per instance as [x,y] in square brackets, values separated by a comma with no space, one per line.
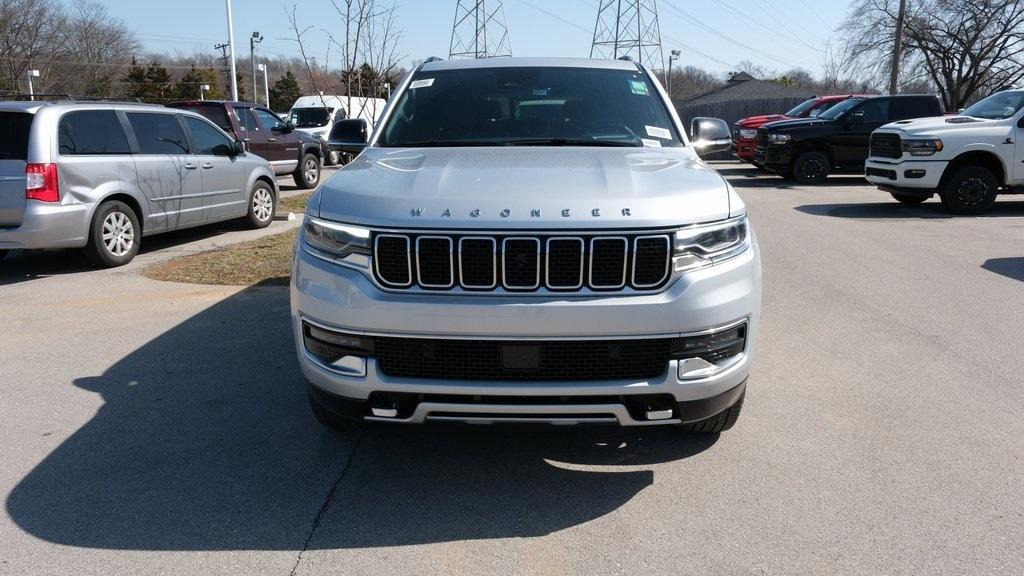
[337,351]
[914,174]
[705,355]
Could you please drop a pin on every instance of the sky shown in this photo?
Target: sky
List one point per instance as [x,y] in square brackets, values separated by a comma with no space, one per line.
[712,34]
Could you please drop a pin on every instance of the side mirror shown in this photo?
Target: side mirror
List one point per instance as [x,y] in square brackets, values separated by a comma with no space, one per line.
[710,136]
[349,136]
[289,126]
[238,148]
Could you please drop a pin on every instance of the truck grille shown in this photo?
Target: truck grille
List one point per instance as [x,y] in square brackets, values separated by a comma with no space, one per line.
[549,360]
[885,145]
[522,263]
[762,137]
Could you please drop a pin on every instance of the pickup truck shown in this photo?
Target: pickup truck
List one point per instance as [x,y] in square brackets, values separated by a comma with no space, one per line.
[836,141]
[744,134]
[967,159]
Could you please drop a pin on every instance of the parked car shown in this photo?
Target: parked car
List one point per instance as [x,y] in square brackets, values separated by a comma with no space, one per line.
[101,176]
[315,115]
[481,261]
[836,141]
[264,133]
[966,159]
[744,141]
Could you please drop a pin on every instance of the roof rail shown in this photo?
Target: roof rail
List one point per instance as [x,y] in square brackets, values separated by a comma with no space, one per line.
[70,98]
[432,59]
[43,97]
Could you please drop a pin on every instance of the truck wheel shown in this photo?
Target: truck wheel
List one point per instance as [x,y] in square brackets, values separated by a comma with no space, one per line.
[332,158]
[2,254]
[720,422]
[261,205]
[970,190]
[113,236]
[307,175]
[908,198]
[331,420]
[811,168]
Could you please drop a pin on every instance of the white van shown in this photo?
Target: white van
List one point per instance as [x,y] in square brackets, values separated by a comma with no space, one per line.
[316,115]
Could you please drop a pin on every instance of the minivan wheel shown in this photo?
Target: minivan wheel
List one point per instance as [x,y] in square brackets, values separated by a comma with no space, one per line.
[261,205]
[114,235]
[811,168]
[908,198]
[331,420]
[720,422]
[970,190]
[307,175]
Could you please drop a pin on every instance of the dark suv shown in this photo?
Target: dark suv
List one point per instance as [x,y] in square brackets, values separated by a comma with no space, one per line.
[289,151]
[836,141]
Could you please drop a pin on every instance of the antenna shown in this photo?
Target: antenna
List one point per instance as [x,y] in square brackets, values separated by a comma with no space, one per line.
[480,30]
[628,28]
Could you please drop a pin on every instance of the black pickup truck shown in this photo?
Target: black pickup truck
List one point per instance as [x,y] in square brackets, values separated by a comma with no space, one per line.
[836,141]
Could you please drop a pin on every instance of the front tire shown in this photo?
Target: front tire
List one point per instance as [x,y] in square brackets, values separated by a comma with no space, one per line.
[113,236]
[908,199]
[331,420]
[811,168]
[970,190]
[262,204]
[307,175]
[720,422]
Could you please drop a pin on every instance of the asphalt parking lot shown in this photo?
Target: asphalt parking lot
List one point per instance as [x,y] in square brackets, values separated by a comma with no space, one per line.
[156,428]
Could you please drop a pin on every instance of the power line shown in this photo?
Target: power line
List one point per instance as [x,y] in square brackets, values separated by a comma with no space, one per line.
[791,38]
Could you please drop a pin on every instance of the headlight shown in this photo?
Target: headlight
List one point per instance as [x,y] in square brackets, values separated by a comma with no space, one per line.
[922,146]
[748,134]
[336,239]
[709,244]
[779,138]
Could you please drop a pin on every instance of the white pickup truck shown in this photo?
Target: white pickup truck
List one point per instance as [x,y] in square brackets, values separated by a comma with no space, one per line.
[966,159]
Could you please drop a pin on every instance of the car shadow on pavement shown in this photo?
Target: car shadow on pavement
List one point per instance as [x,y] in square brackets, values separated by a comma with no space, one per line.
[931,209]
[1012,268]
[205,442]
[743,179]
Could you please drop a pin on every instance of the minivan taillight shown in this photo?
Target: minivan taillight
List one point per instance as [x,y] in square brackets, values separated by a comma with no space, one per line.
[41,182]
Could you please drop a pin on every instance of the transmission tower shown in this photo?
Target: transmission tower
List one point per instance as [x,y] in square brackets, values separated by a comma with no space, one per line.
[628,28]
[480,30]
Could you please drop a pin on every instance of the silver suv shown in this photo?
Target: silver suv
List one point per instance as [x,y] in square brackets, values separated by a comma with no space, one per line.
[527,240]
[100,176]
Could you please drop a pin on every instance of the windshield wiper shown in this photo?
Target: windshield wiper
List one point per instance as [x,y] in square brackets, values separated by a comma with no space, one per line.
[444,144]
[570,142]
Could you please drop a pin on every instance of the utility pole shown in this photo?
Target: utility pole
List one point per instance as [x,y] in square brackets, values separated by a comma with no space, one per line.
[266,83]
[231,52]
[480,30]
[224,60]
[897,49]
[253,41]
[628,28]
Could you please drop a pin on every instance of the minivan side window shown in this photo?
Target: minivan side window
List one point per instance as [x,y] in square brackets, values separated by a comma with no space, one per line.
[158,133]
[207,139]
[91,132]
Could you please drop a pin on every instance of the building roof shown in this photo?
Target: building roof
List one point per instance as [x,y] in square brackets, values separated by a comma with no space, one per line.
[742,86]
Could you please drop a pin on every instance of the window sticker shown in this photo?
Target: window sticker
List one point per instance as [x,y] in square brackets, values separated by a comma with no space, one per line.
[639,87]
[650,143]
[656,132]
[540,92]
[425,83]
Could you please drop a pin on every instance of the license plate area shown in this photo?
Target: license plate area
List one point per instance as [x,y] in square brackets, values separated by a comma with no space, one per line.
[521,357]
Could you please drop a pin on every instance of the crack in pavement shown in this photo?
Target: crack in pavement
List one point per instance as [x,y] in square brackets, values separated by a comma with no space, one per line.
[327,502]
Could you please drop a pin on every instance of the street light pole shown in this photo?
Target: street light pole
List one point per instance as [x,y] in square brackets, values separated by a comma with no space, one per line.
[31,92]
[253,41]
[202,91]
[674,55]
[231,52]
[266,83]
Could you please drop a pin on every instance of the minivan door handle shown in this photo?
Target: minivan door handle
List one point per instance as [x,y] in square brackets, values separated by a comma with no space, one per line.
[207,166]
[190,166]
[271,139]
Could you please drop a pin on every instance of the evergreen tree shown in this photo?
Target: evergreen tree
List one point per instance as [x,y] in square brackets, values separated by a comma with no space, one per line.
[188,87]
[284,92]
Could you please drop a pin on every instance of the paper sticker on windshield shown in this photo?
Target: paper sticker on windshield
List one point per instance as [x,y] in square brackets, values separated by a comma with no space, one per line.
[655,132]
[650,143]
[540,92]
[425,83]
[639,87]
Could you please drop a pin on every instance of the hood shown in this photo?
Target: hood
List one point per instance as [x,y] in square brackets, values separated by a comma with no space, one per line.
[758,121]
[795,123]
[525,188]
[939,125]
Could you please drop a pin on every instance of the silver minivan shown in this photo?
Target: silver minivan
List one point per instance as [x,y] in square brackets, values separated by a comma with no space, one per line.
[100,176]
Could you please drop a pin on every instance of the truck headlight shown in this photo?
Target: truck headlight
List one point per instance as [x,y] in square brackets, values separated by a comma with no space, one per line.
[703,245]
[922,146]
[336,239]
[779,138]
[748,134]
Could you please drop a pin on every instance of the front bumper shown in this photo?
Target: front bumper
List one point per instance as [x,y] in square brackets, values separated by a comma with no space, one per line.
[48,225]
[744,148]
[923,175]
[346,300]
[774,157]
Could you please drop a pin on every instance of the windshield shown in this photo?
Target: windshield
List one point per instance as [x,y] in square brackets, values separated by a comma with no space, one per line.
[530,107]
[310,117]
[840,109]
[802,109]
[997,106]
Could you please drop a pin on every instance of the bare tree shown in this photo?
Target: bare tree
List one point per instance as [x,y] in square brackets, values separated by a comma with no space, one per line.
[31,37]
[100,44]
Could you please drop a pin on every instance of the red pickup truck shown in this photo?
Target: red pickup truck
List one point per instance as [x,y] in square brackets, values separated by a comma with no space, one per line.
[744,133]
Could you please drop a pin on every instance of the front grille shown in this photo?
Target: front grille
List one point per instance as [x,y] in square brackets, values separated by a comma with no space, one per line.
[522,263]
[885,145]
[554,360]
[762,137]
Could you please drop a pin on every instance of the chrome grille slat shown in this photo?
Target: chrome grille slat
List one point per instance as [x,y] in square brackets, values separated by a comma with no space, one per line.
[547,261]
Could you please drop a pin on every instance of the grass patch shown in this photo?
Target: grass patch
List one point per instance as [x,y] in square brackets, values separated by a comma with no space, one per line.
[295,204]
[267,260]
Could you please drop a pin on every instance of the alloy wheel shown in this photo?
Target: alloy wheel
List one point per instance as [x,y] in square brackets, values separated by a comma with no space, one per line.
[312,171]
[972,192]
[118,233]
[262,204]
